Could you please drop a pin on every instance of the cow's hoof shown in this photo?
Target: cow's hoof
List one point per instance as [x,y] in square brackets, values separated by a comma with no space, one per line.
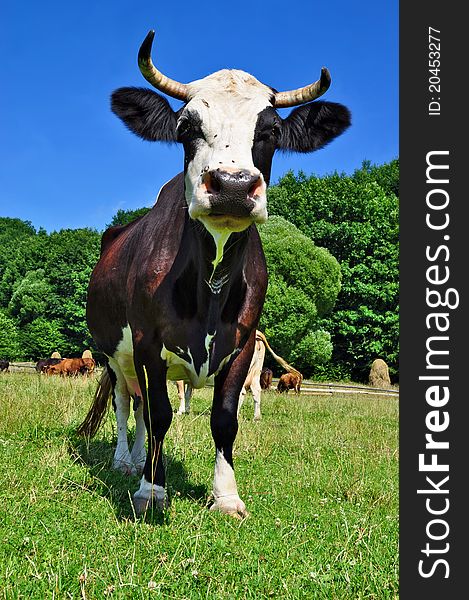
[143,505]
[230,505]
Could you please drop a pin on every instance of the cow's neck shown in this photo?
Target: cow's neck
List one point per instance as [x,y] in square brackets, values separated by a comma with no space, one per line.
[213,273]
[221,264]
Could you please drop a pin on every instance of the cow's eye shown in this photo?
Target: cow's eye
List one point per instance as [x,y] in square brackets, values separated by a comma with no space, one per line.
[275,130]
[272,131]
[187,129]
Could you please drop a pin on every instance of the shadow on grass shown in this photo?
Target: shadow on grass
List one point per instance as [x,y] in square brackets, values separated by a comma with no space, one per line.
[118,488]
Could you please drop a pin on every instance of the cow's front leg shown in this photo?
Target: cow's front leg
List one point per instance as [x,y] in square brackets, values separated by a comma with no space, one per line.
[224,425]
[157,415]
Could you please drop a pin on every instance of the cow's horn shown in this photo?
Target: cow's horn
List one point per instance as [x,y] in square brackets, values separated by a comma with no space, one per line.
[156,78]
[304,94]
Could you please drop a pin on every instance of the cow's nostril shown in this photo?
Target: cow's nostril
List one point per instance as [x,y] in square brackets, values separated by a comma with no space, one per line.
[215,185]
[212,184]
[255,187]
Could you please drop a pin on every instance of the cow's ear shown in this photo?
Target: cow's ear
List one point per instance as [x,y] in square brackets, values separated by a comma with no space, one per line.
[313,125]
[146,113]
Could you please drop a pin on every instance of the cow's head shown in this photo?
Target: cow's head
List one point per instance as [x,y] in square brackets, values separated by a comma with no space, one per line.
[230,129]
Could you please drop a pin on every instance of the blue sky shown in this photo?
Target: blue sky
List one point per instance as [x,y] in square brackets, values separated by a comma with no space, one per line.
[66,161]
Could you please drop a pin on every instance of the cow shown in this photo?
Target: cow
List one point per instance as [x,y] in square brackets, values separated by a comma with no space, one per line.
[252,381]
[71,366]
[265,378]
[43,363]
[4,365]
[289,381]
[178,293]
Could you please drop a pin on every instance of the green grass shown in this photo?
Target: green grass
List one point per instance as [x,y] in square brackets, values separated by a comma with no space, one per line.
[319,476]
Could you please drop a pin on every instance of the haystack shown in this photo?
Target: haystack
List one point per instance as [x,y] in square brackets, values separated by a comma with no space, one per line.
[379,374]
[55,355]
[87,354]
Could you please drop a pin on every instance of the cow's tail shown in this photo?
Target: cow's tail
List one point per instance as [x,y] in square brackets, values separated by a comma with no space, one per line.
[99,408]
[279,359]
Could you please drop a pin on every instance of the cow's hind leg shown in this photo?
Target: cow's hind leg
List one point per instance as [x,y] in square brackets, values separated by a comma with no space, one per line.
[256,394]
[242,396]
[139,454]
[121,401]
[184,394]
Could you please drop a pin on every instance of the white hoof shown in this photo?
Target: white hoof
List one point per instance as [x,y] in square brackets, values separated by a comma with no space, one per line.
[230,505]
[149,496]
[142,505]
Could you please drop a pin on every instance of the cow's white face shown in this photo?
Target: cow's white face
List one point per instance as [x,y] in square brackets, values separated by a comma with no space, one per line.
[230,130]
[225,190]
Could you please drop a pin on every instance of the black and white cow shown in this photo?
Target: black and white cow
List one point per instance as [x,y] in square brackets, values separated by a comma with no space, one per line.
[178,293]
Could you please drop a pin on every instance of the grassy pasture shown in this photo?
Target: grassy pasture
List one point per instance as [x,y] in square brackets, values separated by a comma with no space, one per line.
[319,476]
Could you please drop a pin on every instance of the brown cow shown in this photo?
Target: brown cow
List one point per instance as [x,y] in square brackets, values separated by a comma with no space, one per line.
[290,381]
[265,378]
[72,366]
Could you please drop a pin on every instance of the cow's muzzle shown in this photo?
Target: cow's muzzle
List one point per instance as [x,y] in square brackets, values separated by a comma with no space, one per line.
[233,193]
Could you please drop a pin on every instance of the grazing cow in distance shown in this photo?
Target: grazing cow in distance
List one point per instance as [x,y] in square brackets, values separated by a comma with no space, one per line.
[290,381]
[4,365]
[265,378]
[178,293]
[43,363]
[72,366]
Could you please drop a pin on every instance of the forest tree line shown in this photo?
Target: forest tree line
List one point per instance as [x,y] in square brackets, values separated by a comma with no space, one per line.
[331,245]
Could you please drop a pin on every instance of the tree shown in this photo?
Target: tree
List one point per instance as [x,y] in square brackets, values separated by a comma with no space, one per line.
[43,287]
[9,343]
[304,282]
[122,217]
[13,232]
[40,338]
[71,257]
[31,296]
[356,219]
